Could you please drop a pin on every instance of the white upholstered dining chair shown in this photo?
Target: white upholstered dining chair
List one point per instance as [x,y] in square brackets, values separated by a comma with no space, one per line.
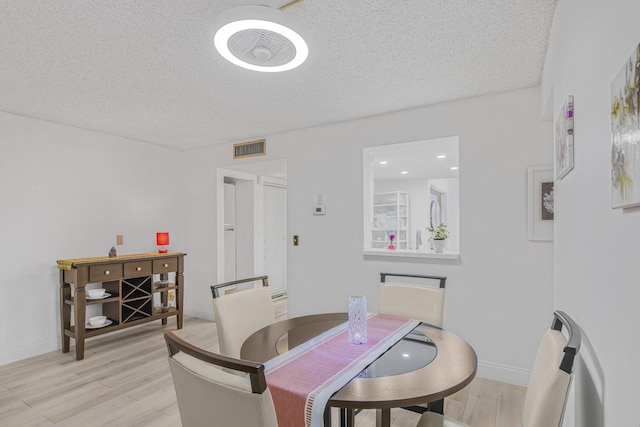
[208,395]
[420,302]
[416,301]
[239,314]
[549,382]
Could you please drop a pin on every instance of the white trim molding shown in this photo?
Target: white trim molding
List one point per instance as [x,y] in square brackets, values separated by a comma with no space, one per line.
[504,373]
[403,255]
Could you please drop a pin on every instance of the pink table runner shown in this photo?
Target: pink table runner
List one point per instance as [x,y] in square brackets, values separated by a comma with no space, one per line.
[303,380]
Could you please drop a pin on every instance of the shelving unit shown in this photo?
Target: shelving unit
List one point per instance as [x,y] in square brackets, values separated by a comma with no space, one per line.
[390,216]
[132,281]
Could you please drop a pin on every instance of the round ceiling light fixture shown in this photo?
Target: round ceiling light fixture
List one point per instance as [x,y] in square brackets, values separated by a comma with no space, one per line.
[260,38]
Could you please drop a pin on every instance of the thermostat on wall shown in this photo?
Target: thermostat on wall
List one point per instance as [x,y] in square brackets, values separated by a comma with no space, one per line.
[319,210]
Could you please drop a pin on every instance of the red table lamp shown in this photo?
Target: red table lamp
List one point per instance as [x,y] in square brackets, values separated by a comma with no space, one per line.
[162,239]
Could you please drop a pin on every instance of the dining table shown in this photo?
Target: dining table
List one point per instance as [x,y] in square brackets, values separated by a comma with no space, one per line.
[422,367]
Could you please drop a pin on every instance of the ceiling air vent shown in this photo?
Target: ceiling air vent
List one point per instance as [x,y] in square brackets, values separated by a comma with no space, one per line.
[249,149]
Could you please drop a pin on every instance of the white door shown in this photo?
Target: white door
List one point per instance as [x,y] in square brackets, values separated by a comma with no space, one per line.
[275,236]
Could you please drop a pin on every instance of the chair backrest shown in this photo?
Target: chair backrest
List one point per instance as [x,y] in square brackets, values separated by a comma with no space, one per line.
[551,374]
[240,314]
[424,303]
[209,396]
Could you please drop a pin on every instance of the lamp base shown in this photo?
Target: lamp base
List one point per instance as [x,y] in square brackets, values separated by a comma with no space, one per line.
[162,251]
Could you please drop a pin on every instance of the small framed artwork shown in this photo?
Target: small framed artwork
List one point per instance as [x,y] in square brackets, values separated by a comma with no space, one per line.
[540,203]
[564,139]
[625,134]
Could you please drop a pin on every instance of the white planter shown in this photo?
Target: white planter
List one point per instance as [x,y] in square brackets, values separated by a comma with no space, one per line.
[438,245]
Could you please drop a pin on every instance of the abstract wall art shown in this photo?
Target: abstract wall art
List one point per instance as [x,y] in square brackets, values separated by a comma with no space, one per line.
[547,202]
[564,139]
[540,202]
[625,134]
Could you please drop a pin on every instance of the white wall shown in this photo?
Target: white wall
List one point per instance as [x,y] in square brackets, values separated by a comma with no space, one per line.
[596,247]
[499,297]
[66,193]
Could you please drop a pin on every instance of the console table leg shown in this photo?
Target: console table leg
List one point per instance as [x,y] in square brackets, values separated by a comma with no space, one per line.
[179,294]
[65,313]
[80,317]
[164,301]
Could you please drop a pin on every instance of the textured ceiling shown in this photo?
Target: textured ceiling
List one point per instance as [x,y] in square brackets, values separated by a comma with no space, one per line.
[147,69]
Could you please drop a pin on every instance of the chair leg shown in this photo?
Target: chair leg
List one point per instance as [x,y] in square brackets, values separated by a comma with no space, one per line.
[347,417]
[383,417]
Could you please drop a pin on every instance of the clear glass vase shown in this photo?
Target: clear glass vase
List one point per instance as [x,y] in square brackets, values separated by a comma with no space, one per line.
[358,319]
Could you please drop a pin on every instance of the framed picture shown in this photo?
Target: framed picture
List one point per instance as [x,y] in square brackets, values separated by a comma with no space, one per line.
[540,203]
[625,134]
[564,139]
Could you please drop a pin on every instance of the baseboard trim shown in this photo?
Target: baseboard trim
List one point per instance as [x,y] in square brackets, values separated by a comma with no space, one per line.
[503,373]
[200,314]
[36,349]
[27,351]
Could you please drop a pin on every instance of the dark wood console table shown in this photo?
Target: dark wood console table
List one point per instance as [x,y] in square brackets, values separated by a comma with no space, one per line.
[131,282]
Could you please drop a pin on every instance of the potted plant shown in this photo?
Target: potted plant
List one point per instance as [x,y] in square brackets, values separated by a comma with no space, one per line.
[438,237]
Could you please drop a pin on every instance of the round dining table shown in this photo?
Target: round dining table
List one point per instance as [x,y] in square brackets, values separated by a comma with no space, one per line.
[422,368]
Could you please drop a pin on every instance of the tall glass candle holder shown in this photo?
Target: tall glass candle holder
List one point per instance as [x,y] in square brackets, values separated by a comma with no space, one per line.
[358,319]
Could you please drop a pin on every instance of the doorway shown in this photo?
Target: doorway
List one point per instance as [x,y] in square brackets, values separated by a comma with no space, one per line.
[252,223]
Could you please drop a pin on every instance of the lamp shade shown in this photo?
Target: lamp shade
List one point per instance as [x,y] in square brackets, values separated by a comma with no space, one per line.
[162,238]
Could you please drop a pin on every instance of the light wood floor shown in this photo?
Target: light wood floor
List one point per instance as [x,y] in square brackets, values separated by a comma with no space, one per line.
[124,380]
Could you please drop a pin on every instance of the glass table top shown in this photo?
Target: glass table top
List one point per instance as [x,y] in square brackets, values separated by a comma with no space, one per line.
[413,352]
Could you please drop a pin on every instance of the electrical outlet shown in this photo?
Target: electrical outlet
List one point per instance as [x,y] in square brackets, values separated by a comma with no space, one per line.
[119,239]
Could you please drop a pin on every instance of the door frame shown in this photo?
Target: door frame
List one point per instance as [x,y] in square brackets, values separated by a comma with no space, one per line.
[221,174]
